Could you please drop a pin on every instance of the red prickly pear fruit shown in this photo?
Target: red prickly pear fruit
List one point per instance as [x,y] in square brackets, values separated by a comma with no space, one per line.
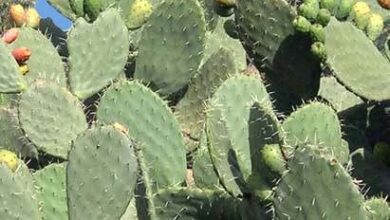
[10,35]
[32,18]
[21,54]
[17,14]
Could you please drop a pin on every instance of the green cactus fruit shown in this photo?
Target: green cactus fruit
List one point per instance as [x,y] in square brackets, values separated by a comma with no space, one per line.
[318,49]
[375,26]
[361,14]
[139,13]
[261,190]
[9,158]
[382,152]
[323,16]
[273,157]
[317,33]
[331,5]
[301,24]
[309,11]
[344,8]
[93,7]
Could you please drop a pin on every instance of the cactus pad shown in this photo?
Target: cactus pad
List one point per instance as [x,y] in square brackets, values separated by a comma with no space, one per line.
[317,124]
[17,193]
[101,174]
[168,57]
[10,78]
[42,51]
[370,76]
[191,109]
[51,192]
[152,124]
[238,110]
[317,187]
[51,117]
[98,53]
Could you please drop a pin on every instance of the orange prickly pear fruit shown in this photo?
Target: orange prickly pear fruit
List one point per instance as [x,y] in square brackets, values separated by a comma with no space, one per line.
[21,54]
[32,18]
[384,4]
[10,35]
[17,14]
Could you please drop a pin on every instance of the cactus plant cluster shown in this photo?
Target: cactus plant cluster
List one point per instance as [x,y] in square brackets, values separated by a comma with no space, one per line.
[196,109]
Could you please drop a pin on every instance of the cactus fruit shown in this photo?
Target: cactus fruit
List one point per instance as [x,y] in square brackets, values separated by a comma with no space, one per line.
[317,33]
[10,159]
[17,14]
[273,158]
[384,4]
[361,14]
[32,18]
[309,11]
[323,17]
[375,26]
[139,13]
[10,35]
[21,54]
[301,24]
[23,69]
[331,5]
[344,8]
[318,49]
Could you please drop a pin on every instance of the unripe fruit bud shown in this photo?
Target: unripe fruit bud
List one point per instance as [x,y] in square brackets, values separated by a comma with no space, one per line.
[361,14]
[309,11]
[21,54]
[32,18]
[23,69]
[317,33]
[319,50]
[17,14]
[375,26]
[10,35]
[140,12]
[10,159]
[344,9]
[301,24]
[323,16]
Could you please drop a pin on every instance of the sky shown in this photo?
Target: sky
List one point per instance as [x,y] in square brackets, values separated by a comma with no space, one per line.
[45,10]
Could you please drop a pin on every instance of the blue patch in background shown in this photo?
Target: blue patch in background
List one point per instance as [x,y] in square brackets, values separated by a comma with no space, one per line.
[45,10]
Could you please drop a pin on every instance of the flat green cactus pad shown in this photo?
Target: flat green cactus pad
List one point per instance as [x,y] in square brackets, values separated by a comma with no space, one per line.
[45,62]
[101,174]
[150,123]
[317,187]
[240,121]
[98,53]
[17,193]
[186,203]
[356,62]
[191,110]
[51,117]
[318,124]
[12,137]
[169,57]
[337,95]
[10,78]
[51,192]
